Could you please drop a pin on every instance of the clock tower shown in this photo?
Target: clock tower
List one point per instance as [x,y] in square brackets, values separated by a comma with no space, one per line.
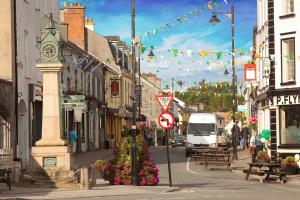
[51,154]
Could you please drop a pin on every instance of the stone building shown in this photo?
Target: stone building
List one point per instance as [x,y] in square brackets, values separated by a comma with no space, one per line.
[87,56]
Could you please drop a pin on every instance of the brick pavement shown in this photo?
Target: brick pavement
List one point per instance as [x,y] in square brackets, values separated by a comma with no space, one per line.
[90,157]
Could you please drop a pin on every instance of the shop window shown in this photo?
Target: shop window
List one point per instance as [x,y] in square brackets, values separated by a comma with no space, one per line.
[290,125]
[287,7]
[288,59]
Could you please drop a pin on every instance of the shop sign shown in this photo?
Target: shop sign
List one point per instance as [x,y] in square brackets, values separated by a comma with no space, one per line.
[250,72]
[253,109]
[242,108]
[286,100]
[115,88]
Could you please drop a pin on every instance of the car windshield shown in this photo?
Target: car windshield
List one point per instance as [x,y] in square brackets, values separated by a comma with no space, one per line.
[201,129]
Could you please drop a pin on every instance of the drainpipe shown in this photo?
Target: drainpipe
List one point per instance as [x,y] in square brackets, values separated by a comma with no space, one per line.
[15,79]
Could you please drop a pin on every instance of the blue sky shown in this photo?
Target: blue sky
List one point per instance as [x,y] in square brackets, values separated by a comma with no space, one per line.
[112,17]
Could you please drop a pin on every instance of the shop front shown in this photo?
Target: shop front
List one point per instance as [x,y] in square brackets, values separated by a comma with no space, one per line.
[286,111]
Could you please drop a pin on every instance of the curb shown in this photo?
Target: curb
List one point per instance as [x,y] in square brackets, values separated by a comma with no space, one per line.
[172,189]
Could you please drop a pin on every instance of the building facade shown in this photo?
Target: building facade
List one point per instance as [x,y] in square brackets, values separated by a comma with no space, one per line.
[285,100]
[278,74]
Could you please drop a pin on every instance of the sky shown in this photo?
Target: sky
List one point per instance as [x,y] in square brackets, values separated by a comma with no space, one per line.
[191,33]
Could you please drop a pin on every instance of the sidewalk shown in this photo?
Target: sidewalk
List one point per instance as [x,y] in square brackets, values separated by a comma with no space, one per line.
[53,193]
[96,192]
[90,157]
[242,163]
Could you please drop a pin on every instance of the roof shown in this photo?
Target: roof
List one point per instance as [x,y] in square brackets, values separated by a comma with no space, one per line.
[224,115]
[98,46]
[113,38]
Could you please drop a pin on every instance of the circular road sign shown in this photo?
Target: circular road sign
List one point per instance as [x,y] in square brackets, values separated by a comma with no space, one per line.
[166,120]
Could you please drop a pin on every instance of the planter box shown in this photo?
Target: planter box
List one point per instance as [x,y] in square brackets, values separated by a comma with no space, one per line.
[290,170]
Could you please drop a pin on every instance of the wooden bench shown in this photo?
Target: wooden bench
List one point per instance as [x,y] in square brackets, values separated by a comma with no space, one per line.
[213,156]
[5,177]
[267,170]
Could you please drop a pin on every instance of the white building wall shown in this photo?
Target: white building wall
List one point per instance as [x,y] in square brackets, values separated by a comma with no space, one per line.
[284,26]
[30,14]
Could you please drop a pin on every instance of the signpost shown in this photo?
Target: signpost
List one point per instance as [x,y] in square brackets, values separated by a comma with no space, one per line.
[75,97]
[242,108]
[166,121]
[78,106]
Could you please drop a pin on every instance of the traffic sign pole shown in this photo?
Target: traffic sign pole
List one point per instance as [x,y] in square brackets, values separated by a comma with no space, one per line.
[166,121]
[168,157]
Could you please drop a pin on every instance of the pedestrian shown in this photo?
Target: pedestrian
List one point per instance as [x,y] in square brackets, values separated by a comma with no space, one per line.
[258,147]
[245,136]
[73,140]
[149,137]
[252,144]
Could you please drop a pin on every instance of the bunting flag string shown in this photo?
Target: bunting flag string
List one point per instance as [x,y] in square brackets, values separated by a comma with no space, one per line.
[187,17]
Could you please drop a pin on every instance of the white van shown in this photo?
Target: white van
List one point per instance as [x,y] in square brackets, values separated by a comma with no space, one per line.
[202,131]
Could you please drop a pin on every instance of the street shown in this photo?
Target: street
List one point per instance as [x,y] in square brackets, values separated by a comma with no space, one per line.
[190,181]
[194,182]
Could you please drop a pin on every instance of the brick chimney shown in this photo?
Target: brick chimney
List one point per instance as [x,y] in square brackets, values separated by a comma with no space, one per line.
[74,14]
[89,23]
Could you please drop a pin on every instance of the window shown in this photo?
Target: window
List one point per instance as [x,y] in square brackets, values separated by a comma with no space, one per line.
[287,7]
[288,60]
[290,125]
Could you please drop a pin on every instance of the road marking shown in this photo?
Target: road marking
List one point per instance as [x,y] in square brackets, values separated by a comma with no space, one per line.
[193,172]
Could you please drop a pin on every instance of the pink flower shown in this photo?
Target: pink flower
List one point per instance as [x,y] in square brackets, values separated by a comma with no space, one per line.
[127,182]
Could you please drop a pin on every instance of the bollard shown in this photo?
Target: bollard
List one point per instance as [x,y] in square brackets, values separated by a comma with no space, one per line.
[84,178]
[93,177]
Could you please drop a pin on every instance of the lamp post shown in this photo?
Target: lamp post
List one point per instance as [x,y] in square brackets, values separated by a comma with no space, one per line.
[214,20]
[134,147]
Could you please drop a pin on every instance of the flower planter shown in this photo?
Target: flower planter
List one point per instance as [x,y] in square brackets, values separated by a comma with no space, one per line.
[290,170]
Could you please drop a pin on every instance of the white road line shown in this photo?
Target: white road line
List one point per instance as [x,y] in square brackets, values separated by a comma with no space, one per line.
[193,172]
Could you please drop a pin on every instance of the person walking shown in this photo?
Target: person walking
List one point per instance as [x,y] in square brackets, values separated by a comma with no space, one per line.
[245,137]
[73,140]
[258,147]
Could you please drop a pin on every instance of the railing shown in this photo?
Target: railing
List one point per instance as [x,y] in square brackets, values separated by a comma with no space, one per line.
[5,143]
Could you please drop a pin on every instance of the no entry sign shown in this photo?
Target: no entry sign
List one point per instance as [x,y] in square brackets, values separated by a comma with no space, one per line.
[166,120]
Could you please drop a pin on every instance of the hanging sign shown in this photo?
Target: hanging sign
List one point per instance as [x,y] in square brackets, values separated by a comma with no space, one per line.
[166,120]
[250,72]
[165,101]
[115,88]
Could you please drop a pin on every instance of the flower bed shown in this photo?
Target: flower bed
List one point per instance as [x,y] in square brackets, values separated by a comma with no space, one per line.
[118,171]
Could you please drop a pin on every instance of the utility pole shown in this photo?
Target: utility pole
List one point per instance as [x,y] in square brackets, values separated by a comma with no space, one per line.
[234,90]
[134,147]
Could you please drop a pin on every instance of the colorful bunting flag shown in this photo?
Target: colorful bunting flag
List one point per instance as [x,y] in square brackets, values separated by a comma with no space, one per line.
[219,55]
[210,6]
[174,52]
[203,53]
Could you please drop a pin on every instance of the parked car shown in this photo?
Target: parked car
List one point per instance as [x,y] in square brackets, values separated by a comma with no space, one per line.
[178,140]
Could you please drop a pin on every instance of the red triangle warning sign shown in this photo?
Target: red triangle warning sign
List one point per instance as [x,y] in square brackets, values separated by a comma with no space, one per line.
[165,101]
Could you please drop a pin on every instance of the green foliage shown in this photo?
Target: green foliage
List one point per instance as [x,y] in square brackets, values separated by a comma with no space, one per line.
[118,171]
[215,98]
[289,161]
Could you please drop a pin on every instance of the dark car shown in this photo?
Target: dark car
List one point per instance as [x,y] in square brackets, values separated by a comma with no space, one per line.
[178,140]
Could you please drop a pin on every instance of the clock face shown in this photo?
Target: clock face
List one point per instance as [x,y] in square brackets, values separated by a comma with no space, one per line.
[49,51]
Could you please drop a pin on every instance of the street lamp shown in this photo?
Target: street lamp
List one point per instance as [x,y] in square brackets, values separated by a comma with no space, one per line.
[133,128]
[214,20]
